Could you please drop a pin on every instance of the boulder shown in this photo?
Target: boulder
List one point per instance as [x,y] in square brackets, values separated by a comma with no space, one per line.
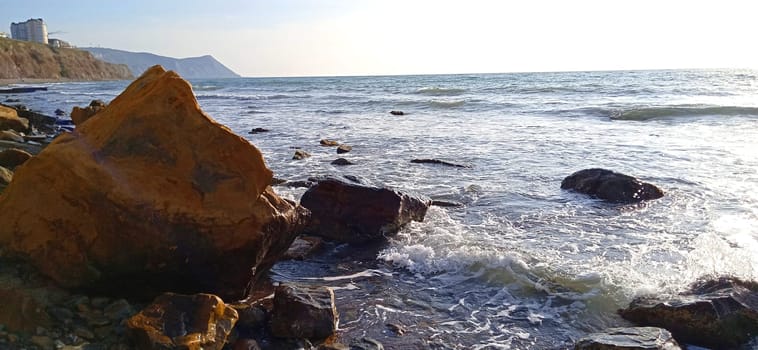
[10,135]
[6,176]
[258,131]
[302,247]
[9,119]
[610,186]
[643,338]
[13,157]
[366,343]
[344,149]
[355,213]
[300,155]
[152,195]
[718,314]
[329,143]
[303,312]
[80,115]
[174,321]
[341,162]
[397,112]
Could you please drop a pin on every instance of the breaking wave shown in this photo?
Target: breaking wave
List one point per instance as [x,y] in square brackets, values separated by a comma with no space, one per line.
[642,114]
[437,91]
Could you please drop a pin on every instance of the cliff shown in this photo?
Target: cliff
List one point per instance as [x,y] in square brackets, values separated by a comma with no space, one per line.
[203,67]
[28,60]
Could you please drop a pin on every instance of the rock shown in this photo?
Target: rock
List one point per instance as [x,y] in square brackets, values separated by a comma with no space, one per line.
[44,123]
[610,186]
[395,328]
[252,318]
[9,135]
[6,176]
[717,314]
[449,204]
[80,115]
[277,181]
[151,195]
[22,310]
[356,213]
[329,143]
[397,112]
[258,131]
[246,344]
[300,154]
[84,333]
[42,342]
[12,100]
[439,162]
[9,120]
[59,112]
[302,247]
[344,149]
[642,338]
[303,312]
[342,161]
[174,321]
[300,184]
[13,157]
[118,310]
[366,343]
[333,346]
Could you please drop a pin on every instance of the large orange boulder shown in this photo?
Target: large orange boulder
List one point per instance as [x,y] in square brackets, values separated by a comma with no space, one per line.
[148,195]
[9,120]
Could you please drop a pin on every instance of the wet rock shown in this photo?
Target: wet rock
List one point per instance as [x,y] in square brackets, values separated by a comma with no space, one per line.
[300,155]
[341,162]
[13,157]
[6,176]
[43,342]
[395,328]
[22,310]
[118,310]
[10,120]
[302,247]
[59,112]
[8,135]
[642,338]
[12,100]
[84,333]
[80,115]
[299,184]
[44,123]
[718,314]
[333,346]
[303,312]
[449,204]
[246,344]
[252,318]
[366,343]
[438,162]
[397,112]
[173,321]
[150,195]
[61,314]
[356,213]
[277,181]
[610,186]
[344,149]
[258,131]
[329,143]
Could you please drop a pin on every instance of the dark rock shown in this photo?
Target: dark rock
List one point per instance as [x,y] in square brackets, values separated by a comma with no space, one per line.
[356,213]
[610,186]
[718,314]
[258,131]
[643,338]
[44,123]
[300,154]
[118,310]
[397,112]
[342,161]
[277,181]
[13,157]
[299,184]
[303,312]
[173,321]
[42,342]
[100,302]
[333,346]
[302,247]
[61,314]
[344,149]
[9,135]
[246,344]
[439,162]
[449,204]
[59,112]
[366,343]
[252,318]
[6,176]
[329,143]
[395,328]
[21,310]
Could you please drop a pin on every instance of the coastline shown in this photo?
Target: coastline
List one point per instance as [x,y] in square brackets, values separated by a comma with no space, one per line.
[8,82]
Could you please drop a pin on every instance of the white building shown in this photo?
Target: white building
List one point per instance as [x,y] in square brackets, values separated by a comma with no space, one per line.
[3,35]
[31,30]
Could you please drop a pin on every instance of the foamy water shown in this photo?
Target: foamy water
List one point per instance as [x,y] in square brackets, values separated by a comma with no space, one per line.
[522,264]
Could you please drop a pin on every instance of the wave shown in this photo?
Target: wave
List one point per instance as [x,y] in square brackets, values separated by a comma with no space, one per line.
[437,91]
[642,114]
[248,97]
[447,104]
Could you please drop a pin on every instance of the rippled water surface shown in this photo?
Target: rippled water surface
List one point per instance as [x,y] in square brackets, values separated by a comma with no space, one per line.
[522,264]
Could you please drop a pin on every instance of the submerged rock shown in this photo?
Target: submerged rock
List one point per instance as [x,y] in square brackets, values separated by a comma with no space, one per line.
[173,321]
[643,338]
[151,195]
[397,112]
[439,162]
[718,314]
[329,143]
[80,115]
[303,312]
[356,213]
[341,162]
[300,155]
[610,186]
[344,149]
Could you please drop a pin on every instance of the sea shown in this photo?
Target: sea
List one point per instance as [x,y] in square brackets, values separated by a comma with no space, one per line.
[520,264]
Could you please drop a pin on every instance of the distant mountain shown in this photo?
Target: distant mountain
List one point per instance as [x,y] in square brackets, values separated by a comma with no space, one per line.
[204,67]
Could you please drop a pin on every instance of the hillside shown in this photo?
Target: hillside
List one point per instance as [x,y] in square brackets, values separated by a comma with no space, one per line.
[28,60]
[204,67]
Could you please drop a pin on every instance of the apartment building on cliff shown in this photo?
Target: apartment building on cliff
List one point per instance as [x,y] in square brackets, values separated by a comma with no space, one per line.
[33,29]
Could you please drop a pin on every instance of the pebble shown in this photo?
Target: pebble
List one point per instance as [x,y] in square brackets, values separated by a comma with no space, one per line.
[84,333]
[45,343]
[118,310]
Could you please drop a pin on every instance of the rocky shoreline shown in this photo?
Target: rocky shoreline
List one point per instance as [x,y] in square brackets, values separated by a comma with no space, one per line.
[157,226]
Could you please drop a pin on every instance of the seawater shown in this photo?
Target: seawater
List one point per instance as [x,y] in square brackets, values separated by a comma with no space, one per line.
[522,264]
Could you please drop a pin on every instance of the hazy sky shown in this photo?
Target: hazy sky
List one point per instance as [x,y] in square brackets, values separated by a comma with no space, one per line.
[371,37]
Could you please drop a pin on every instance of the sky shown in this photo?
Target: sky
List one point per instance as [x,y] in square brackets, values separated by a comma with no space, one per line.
[388,37]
